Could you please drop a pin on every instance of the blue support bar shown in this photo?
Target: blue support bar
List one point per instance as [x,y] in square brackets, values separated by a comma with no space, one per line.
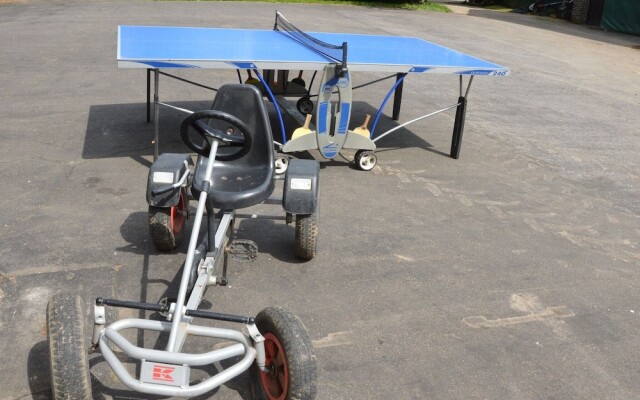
[321,120]
[384,103]
[345,113]
[273,100]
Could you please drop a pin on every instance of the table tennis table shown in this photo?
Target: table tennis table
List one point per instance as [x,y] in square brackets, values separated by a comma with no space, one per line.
[287,48]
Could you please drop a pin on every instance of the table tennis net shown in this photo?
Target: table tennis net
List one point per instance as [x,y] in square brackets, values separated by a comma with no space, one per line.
[331,51]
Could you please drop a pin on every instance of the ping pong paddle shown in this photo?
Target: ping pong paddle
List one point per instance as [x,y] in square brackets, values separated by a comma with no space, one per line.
[303,130]
[251,80]
[362,129]
[299,81]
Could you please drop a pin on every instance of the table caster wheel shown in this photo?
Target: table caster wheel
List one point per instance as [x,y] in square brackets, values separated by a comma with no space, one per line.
[282,163]
[305,105]
[365,160]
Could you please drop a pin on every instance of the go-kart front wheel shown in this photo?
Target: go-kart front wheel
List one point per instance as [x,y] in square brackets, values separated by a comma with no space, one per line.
[290,358]
[67,351]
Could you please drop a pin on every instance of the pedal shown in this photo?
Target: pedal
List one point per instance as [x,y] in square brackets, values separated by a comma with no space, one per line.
[243,250]
[169,303]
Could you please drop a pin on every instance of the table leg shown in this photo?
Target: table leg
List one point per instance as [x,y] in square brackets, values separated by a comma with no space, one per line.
[148,95]
[458,127]
[156,114]
[397,97]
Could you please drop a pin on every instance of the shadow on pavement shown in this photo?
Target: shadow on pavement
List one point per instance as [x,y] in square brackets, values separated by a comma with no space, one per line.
[38,371]
[121,130]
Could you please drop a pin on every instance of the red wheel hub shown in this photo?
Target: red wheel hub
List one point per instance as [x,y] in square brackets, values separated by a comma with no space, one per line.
[178,215]
[276,381]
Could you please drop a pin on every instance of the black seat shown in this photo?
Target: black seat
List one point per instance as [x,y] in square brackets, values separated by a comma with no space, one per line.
[248,180]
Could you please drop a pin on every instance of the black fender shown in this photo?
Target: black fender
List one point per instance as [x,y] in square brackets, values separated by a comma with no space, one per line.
[300,195]
[167,170]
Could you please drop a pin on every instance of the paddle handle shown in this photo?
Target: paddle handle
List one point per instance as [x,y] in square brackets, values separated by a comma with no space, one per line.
[366,122]
[307,121]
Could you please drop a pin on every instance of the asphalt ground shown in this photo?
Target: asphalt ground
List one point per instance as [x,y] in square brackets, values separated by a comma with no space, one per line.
[510,273]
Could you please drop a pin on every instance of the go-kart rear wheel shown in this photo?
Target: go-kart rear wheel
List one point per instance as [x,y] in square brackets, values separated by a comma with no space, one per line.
[67,351]
[289,357]
[166,224]
[306,235]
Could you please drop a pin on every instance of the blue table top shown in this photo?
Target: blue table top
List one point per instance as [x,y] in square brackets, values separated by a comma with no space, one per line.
[188,47]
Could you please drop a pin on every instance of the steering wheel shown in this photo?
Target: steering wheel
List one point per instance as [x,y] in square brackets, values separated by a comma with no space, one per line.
[226,137]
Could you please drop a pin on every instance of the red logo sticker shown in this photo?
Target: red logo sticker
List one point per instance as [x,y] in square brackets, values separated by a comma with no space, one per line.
[163,373]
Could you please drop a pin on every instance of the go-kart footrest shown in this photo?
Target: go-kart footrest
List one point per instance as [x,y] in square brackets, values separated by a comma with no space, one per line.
[243,250]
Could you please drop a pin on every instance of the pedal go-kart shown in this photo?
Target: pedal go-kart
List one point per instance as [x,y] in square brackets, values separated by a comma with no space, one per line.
[234,169]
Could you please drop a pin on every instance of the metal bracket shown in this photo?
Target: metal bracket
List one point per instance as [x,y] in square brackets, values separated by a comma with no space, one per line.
[258,339]
[207,265]
[99,321]
[171,303]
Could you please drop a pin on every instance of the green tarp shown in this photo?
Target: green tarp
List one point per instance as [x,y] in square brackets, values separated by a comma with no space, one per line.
[621,16]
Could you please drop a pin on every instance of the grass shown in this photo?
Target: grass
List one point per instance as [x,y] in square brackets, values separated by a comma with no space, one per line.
[427,6]
[497,7]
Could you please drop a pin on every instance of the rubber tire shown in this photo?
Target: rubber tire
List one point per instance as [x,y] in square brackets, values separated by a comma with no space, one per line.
[68,358]
[306,235]
[162,235]
[365,166]
[281,164]
[298,351]
[305,105]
